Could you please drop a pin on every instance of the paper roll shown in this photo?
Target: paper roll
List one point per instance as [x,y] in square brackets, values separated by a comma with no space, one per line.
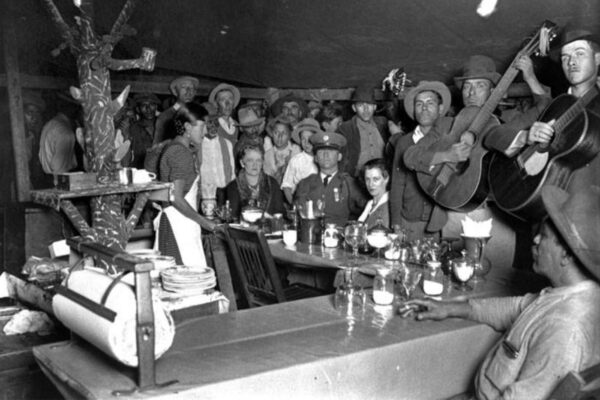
[117,338]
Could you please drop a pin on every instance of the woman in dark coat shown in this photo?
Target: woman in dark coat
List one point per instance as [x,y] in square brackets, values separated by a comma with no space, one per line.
[252,186]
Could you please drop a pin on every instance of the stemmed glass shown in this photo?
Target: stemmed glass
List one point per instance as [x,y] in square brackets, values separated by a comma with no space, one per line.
[463,269]
[475,246]
[410,278]
[355,234]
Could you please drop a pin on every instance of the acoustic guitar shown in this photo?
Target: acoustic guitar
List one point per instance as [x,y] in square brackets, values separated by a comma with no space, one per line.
[516,183]
[463,186]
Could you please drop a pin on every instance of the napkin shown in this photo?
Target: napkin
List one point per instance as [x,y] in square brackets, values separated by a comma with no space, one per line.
[473,228]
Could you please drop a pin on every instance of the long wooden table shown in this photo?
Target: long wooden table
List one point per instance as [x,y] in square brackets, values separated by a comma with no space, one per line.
[297,350]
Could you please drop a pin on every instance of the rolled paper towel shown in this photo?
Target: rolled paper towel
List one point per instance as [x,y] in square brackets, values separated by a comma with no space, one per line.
[473,228]
[117,338]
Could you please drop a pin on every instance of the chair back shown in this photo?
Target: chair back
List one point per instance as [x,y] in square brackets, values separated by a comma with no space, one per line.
[584,385]
[255,271]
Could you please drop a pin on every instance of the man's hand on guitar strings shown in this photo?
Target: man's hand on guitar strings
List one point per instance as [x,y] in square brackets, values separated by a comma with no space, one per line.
[541,132]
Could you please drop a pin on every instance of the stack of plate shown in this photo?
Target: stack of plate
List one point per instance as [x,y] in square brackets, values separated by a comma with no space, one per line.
[188,281]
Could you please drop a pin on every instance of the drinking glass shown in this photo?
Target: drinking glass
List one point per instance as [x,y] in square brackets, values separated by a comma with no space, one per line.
[410,278]
[463,269]
[350,298]
[475,246]
[355,234]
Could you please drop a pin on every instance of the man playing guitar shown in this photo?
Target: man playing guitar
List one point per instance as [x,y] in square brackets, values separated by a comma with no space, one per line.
[580,57]
[478,80]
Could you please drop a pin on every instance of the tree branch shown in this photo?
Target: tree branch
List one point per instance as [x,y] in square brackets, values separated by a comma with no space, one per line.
[63,27]
[134,215]
[122,19]
[77,220]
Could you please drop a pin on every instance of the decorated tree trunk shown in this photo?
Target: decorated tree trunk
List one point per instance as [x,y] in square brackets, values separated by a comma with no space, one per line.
[93,53]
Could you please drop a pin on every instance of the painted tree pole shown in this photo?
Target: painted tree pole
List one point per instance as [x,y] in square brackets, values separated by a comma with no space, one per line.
[93,54]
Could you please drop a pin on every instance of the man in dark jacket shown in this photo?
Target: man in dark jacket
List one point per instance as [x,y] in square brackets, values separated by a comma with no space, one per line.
[365,133]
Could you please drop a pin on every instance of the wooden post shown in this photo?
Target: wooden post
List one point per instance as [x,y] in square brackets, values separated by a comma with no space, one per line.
[15,103]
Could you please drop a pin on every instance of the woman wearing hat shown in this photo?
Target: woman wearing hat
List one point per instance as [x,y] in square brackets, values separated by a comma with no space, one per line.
[178,226]
[252,186]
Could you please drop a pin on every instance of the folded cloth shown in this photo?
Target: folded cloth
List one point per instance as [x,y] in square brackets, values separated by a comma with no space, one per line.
[29,321]
[473,228]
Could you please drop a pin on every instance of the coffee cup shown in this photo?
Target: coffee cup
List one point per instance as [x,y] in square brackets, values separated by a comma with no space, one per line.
[143,176]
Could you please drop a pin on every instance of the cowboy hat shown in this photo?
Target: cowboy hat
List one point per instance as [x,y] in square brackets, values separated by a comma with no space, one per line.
[248,117]
[363,94]
[424,86]
[212,97]
[478,67]
[180,79]
[307,124]
[277,105]
[577,218]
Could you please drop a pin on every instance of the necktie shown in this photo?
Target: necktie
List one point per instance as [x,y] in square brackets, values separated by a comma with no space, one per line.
[326,180]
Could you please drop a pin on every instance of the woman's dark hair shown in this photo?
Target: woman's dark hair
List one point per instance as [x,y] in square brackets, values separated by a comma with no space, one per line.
[250,147]
[191,113]
[376,163]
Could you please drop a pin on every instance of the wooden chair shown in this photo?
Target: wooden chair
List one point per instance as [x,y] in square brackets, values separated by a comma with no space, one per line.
[255,274]
[584,385]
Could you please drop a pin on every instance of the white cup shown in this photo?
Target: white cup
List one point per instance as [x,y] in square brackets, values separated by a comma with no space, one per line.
[142,176]
[290,237]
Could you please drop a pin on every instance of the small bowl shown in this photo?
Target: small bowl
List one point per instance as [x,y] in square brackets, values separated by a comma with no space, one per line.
[252,216]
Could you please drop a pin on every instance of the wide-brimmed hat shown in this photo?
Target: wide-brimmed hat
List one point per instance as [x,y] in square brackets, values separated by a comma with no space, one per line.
[307,124]
[247,117]
[570,35]
[327,140]
[424,86]
[577,218]
[478,67]
[33,98]
[277,105]
[181,79]
[212,97]
[363,94]
[140,98]
[280,119]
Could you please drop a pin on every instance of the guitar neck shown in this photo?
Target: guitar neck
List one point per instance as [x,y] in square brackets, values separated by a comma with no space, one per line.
[574,110]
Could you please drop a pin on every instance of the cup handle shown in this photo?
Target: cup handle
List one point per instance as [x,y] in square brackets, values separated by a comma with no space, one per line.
[151,175]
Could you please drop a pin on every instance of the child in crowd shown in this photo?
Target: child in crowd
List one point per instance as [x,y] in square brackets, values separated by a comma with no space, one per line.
[330,116]
[278,157]
[301,165]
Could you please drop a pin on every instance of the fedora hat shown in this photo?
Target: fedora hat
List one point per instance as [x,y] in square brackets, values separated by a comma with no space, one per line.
[212,97]
[247,117]
[423,86]
[570,35]
[327,140]
[277,105]
[478,67]
[146,98]
[307,124]
[577,218]
[363,94]
[181,79]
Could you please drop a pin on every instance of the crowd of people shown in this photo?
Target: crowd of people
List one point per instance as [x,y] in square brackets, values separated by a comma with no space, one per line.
[280,155]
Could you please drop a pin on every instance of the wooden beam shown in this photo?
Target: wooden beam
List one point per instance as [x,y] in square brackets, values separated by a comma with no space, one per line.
[15,104]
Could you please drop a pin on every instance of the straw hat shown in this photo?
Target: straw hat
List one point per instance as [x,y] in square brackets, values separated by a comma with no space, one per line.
[212,97]
[175,82]
[423,86]
[307,124]
[577,218]
[478,67]
[248,117]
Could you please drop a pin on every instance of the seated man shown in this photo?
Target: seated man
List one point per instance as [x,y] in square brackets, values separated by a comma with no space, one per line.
[547,334]
[335,191]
